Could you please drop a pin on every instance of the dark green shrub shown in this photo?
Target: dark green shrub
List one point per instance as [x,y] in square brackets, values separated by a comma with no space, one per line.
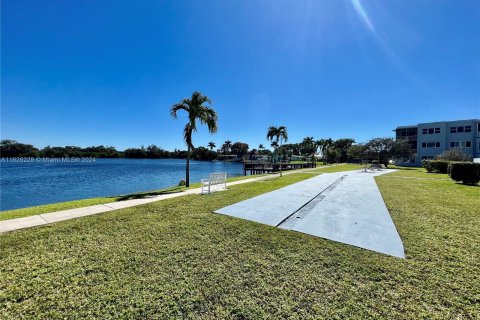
[426,165]
[467,172]
[439,166]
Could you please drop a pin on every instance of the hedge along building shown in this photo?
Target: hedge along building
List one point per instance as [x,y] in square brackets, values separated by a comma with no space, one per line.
[428,140]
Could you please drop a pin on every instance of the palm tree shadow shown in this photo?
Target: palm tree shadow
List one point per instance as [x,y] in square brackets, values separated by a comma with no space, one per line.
[144,195]
[459,183]
[404,168]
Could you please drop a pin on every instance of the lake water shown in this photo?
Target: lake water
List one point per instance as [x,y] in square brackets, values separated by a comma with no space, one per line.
[36,183]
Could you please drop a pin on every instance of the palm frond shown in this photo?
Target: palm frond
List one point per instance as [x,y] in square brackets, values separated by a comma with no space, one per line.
[272,133]
[196,111]
[176,107]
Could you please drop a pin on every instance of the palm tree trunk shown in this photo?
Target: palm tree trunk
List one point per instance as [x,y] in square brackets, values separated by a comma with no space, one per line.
[187,173]
[281,156]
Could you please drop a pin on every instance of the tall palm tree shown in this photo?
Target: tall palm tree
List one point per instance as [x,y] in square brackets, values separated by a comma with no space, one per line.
[327,146]
[309,146]
[319,146]
[228,146]
[211,145]
[261,147]
[197,108]
[276,134]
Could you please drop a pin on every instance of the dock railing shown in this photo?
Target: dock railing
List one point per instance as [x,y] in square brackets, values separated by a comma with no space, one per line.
[265,167]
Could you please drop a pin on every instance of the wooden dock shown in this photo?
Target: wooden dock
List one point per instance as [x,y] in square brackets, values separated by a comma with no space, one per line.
[260,168]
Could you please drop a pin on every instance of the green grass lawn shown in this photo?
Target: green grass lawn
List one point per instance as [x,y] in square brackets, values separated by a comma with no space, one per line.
[338,167]
[176,259]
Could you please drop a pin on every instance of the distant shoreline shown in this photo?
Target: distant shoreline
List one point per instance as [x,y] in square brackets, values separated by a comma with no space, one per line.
[85,159]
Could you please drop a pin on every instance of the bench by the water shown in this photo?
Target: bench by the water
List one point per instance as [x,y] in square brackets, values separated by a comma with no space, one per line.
[214,179]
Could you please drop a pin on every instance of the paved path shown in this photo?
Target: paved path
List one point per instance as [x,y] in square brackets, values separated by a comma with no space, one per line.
[52,217]
[346,207]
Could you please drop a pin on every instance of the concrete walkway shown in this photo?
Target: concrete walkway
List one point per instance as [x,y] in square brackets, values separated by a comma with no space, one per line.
[346,207]
[52,217]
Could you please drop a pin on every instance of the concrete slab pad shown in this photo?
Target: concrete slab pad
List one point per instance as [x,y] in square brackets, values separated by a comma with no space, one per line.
[273,207]
[350,210]
[353,213]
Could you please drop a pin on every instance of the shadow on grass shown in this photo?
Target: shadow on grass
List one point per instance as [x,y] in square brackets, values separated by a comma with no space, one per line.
[466,184]
[404,168]
[143,195]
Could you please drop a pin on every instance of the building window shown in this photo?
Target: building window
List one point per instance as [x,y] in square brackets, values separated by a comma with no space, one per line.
[411,132]
[437,130]
[460,144]
[478,127]
[468,128]
[430,131]
[453,130]
[430,144]
[459,129]
[424,131]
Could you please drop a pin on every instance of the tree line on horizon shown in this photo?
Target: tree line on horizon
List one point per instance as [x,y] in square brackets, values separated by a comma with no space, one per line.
[330,151]
[12,148]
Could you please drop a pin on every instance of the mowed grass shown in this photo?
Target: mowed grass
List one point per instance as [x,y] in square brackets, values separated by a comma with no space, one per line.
[176,259]
[338,167]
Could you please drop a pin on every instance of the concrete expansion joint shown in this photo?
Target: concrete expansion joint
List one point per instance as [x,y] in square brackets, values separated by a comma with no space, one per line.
[301,212]
[41,216]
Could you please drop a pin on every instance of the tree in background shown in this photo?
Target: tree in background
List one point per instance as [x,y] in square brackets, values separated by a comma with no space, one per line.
[333,155]
[196,110]
[278,134]
[357,152]
[226,147]
[211,145]
[378,148]
[324,146]
[202,153]
[385,149]
[381,149]
[401,150]
[12,148]
[308,147]
[240,149]
[342,146]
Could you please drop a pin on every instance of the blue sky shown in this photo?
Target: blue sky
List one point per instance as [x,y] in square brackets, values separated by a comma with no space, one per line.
[106,72]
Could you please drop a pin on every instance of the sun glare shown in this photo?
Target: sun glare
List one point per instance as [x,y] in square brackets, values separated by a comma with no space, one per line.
[357,5]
